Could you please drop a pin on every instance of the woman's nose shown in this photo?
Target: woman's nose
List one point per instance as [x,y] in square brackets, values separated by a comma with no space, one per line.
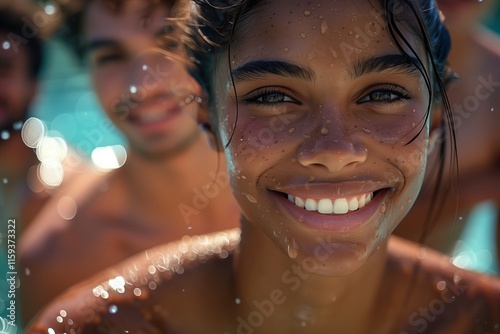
[333,148]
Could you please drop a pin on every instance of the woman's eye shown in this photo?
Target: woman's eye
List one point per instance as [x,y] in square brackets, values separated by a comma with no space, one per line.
[386,96]
[269,98]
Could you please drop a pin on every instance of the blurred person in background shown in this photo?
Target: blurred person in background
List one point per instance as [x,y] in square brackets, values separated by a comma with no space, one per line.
[475,100]
[172,183]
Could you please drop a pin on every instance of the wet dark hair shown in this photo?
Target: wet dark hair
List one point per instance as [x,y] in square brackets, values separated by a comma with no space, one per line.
[71,31]
[214,29]
[12,23]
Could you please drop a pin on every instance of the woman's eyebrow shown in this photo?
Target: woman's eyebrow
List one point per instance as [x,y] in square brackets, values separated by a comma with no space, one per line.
[397,62]
[260,68]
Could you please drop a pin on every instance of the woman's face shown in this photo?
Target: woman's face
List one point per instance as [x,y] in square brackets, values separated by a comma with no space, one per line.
[322,159]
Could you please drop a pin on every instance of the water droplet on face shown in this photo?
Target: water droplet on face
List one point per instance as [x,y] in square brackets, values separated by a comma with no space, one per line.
[144,67]
[133,89]
[383,208]
[303,35]
[5,135]
[293,250]
[324,130]
[237,301]
[324,27]
[5,180]
[6,45]
[251,198]
[113,309]
[367,131]
[492,109]
[291,130]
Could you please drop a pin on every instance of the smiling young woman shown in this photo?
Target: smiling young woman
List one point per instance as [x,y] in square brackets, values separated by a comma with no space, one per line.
[325,112]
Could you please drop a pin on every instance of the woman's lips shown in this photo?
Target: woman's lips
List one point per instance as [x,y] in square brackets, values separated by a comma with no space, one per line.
[339,214]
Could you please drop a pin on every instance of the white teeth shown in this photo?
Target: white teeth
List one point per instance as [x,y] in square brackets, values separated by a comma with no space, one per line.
[362,201]
[311,205]
[338,206]
[325,206]
[353,204]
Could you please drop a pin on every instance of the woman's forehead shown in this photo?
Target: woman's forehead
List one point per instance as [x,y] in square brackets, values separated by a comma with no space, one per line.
[341,30]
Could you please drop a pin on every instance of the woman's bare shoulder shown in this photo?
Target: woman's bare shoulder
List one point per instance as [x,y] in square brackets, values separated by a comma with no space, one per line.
[440,297]
[145,292]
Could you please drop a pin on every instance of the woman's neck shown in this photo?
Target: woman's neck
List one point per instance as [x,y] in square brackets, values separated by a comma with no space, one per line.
[269,281]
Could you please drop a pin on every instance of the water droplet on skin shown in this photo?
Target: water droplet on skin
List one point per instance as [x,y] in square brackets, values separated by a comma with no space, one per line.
[350,33]
[6,45]
[287,49]
[367,131]
[133,89]
[144,67]
[307,12]
[421,253]
[324,27]
[5,180]
[250,198]
[383,208]
[324,130]
[237,301]
[113,309]
[27,271]
[303,35]
[492,109]
[291,130]
[293,250]
[441,285]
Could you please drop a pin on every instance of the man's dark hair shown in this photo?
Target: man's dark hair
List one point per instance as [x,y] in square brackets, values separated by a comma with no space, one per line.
[12,24]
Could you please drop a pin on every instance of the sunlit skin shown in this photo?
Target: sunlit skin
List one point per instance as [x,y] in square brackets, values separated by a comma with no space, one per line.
[472,57]
[172,183]
[302,271]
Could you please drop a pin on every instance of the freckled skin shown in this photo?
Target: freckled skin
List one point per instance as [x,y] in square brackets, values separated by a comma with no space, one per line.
[286,274]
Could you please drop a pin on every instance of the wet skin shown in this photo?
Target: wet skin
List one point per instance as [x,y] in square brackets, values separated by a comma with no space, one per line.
[346,120]
[322,273]
[169,163]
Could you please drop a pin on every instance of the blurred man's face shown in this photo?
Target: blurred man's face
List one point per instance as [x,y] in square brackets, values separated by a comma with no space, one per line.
[17,87]
[142,91]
